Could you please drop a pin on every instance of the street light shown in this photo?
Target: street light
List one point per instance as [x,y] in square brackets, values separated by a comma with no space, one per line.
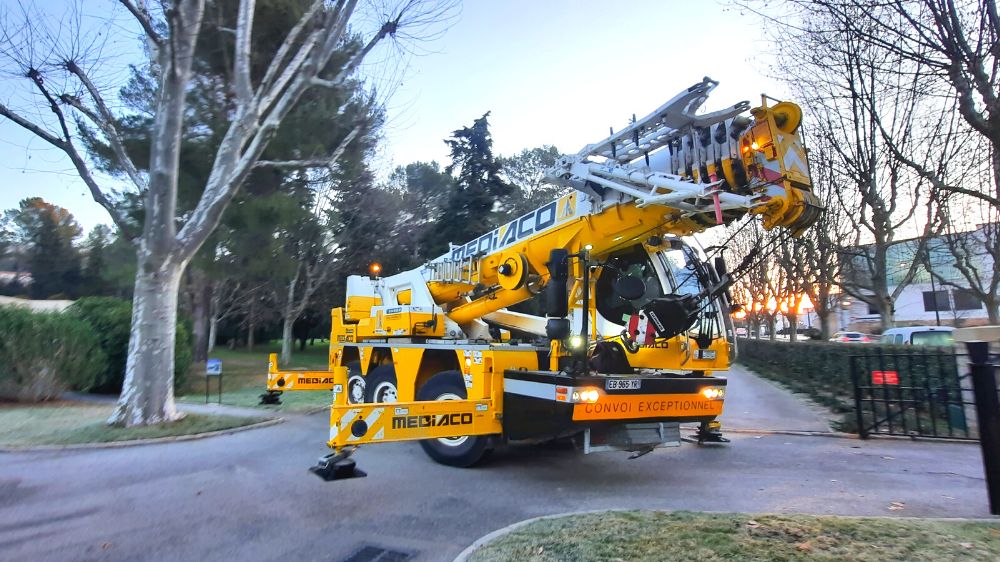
[930,271]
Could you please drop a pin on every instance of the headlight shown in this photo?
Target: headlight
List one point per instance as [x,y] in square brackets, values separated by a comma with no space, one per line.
[714,392]
[575,342]
[586,395]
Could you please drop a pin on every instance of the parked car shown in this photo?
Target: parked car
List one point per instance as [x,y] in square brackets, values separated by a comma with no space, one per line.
[851,337]
[920,335]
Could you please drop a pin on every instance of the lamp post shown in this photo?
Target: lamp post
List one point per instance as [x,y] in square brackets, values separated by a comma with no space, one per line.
[930,271]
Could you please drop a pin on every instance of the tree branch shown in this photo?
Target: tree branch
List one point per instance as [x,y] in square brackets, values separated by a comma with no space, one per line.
[141,14]
[241,65]
[106,121]
[66,145]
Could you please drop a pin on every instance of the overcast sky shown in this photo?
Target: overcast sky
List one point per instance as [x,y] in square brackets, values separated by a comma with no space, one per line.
[551,72]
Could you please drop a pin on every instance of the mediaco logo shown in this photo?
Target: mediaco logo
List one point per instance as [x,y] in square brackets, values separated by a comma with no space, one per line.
[412,422]
[315,380]
[509,233]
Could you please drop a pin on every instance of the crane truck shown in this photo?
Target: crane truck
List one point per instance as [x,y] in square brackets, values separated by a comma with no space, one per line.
[636,321]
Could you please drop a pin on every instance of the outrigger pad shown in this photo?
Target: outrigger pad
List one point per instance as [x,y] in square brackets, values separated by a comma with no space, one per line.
[331,467]
[270,397]
[710,432]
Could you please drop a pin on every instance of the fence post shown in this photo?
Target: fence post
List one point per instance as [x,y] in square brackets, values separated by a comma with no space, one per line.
[984,386]
[858,412]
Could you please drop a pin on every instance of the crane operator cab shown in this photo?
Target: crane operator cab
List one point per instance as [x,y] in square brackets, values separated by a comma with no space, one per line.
[665,307]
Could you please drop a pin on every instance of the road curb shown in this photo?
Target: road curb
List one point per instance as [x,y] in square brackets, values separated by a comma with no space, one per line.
[796,432]
[139,442]
[503,531]
[840,435]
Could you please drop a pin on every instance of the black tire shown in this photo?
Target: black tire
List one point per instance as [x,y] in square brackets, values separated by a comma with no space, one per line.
[377,381]
[355,380]
[461,451]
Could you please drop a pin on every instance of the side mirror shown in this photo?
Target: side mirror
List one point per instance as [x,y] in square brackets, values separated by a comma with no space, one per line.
[629,287]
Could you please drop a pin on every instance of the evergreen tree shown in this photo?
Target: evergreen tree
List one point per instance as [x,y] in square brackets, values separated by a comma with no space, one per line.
[478,187]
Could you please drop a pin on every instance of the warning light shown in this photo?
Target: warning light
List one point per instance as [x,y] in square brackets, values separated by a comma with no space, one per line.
[374,270]
[755,146]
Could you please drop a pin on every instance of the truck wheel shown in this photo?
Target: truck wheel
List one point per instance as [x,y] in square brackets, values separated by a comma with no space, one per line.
[462,450]
[355,383]
[381,385]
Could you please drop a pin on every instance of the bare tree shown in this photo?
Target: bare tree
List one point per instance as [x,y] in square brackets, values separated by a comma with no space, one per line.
[868,106]
[974,255]
[62,79]
[954,44]
[820,265]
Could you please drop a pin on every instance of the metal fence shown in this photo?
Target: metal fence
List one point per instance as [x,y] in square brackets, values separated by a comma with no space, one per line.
[925,394]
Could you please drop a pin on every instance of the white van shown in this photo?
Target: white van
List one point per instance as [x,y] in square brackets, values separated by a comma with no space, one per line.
[920,335]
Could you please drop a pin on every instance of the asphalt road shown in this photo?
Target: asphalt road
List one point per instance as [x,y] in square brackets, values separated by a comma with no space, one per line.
[249,496]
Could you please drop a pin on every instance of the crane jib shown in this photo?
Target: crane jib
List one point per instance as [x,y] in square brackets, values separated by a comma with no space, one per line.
[517,229]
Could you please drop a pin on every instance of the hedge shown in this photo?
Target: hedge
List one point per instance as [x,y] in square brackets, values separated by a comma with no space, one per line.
[822,370]
[111,321]
[42,354]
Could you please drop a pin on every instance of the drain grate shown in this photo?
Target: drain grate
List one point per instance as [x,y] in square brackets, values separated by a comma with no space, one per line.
[371,553]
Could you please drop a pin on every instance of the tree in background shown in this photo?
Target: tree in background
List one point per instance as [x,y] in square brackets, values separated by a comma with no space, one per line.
[912,87]
[423,190]
[47,233]
[479,187]
[96,261]
[62,80]
[525,171]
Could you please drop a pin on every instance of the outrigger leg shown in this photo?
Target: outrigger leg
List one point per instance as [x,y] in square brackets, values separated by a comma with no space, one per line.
[270,397]
[711,432]
[337,466]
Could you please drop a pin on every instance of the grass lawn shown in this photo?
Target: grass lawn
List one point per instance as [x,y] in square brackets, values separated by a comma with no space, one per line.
[62,424]
[710,537]
[244,376]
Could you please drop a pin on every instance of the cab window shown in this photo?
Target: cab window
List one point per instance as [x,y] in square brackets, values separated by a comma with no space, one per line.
[633,262]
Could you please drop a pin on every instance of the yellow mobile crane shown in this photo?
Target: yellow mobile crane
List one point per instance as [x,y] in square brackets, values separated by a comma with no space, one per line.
[635,323]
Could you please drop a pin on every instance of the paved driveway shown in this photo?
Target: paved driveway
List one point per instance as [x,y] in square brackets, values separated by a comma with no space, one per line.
[248,495]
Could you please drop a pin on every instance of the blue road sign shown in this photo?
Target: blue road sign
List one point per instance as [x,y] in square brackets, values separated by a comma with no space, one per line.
[213,367]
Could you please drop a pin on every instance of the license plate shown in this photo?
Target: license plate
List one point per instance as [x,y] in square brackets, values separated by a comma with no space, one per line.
[623,384]
[705,354]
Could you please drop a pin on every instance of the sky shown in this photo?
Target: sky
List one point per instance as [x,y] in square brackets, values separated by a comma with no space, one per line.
[554,72]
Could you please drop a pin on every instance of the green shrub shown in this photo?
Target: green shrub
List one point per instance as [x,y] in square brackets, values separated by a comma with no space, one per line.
[111,321]
[44,353]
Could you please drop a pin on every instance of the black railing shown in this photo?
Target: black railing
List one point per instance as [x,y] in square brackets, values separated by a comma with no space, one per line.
[924,394]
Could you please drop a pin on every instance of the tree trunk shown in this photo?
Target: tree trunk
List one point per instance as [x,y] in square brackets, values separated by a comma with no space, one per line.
[148,391]
[825,317]
[290,316]
[793,327]
[213,327]
[251,321]
[887,314]
[201,309]
[993,311]
[286,339]
[771,325]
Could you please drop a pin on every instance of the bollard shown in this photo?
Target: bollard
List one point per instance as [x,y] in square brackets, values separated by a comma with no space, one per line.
[984,387]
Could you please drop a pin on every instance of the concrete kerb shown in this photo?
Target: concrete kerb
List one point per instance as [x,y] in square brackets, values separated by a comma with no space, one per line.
[487,539]
[139,442]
